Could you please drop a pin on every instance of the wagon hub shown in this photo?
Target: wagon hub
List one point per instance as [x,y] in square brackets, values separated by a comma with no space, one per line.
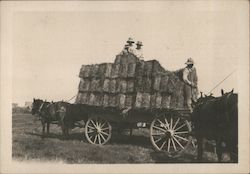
[169,133]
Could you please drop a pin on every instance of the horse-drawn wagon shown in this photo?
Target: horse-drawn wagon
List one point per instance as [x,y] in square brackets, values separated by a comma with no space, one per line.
[129,91]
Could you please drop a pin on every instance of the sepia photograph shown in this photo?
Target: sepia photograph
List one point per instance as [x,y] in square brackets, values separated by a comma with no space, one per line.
[124,87]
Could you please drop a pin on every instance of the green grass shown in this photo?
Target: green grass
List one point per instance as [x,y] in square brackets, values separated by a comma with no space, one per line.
[28,145]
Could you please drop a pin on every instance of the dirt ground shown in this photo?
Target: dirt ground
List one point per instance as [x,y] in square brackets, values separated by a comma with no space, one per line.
[27,144]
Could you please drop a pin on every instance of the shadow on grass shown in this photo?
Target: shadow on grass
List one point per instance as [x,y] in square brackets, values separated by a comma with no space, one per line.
[72,136]
[117,138]
[161,157]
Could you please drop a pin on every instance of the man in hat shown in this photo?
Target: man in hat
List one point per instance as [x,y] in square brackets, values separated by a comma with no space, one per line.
[138,51]
[128,47]
[190,79]
[130,43]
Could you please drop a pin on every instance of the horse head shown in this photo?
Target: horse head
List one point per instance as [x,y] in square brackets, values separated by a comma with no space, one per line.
[202,99]
[37,103]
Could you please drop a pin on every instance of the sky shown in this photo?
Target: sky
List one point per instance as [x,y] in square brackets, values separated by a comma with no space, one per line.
[49,46]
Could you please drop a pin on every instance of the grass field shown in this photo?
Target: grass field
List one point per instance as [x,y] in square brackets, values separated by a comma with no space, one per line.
[28,145]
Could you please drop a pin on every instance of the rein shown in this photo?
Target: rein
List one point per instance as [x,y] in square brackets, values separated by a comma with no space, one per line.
[40,108]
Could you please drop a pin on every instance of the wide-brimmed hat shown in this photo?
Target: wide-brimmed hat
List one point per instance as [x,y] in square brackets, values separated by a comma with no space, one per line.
[130,40]
[189,61]
[139,43]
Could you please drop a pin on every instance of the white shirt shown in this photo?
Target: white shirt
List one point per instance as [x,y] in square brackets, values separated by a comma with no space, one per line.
[138,53]
[186,71]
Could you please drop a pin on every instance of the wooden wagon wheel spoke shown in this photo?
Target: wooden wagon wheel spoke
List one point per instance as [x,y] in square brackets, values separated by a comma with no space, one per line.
[93,123]
[101,126]
[180,127]
[105,128]
[163,130]
[177,136]
[104,133]
[183,132]
[95,139]
[166,121]
[169,144]
[178,142]
[173,144]
[176,123]
[161,122]
[163,144]
[99,139]
[156,141]
[90,127]
[157,134]
[102,136]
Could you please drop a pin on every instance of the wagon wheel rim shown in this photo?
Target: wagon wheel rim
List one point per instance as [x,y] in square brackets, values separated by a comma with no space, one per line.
[170,134]
[98,131]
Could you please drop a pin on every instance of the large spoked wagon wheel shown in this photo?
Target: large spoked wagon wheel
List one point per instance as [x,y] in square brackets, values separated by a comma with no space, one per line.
[170,133]
[97,131]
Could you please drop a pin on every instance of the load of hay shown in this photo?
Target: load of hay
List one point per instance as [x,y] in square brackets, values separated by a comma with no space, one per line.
[130,83]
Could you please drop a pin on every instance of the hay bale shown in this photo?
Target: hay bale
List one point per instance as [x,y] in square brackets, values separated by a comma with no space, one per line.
[121,86]
[106,85]
[98,99]
[129,100]
[172,84]
[139,84]
[84,85]
[115,70]
[158,100]
[93,84]
[85,70]
[104,70]
[105,102]
[118,59]
[157,68]
[112,100]
[165,103]
[145,103]
[91,99]
[78,98]
[146,84]
[138,100]
[85,98]
[123,71]
[148,68]
[108,70]
[164,83]
[94,70]
[99,86]
[121,100]
[130,85]
[112,86]
[156,83]
[139,69]
[131,70]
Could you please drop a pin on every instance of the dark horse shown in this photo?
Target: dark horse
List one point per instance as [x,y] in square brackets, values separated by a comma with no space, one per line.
[47,112]
[217,119]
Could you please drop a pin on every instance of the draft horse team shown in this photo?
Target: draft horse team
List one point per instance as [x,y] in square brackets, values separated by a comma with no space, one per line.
[213,118]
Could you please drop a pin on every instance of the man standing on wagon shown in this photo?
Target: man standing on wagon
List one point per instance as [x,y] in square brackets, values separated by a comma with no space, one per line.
[190,79]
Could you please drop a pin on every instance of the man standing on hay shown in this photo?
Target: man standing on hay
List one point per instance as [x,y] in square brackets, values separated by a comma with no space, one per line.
[138,51]
[190,87]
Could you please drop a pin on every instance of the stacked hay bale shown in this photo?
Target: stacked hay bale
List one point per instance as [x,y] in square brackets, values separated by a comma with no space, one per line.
[130,83]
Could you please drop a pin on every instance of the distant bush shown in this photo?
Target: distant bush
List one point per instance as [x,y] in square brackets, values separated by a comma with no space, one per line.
[21,110]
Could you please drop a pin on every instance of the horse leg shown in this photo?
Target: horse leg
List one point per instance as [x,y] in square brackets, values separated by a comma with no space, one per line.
[200,148]
[219,150]
[131,132]
[48,123]
[43,133]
